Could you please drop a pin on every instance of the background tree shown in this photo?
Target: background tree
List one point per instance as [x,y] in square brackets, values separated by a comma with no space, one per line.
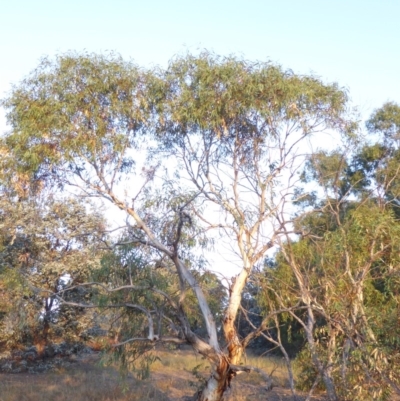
[45,243]
[344,268]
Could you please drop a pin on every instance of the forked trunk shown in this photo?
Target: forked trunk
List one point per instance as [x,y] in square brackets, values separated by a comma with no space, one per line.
[222,374]
[218,382]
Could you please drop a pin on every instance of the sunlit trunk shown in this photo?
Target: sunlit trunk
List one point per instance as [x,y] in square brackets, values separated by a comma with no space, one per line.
[222,374]
[218,382]
[235,348]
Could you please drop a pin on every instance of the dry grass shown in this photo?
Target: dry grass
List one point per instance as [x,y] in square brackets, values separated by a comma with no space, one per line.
[179,361]
[81,382]
[174,375]
[272,365]
[172,379]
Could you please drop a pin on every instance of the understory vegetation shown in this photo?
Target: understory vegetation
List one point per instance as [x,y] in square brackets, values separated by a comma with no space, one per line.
[200,205]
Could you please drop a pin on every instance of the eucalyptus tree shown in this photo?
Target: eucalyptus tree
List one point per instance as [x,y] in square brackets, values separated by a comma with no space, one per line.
[349,274]
[343,267]
[232,131]
[237,130]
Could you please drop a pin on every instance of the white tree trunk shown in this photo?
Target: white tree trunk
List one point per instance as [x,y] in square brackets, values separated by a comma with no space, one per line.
[218,382]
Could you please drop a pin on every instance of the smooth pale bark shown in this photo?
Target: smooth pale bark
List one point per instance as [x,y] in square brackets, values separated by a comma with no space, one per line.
[218,382]
[223,373]
[234,344]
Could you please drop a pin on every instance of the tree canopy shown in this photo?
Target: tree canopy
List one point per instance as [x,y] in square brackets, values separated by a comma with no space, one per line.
[207,152]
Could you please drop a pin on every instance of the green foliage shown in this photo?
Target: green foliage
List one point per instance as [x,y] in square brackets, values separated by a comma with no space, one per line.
[386,120]
[43,240]
[138,286]
[237,104]
[349,321]
[87,110]
[200,379]
[209,92]
[344,268]
[77,109]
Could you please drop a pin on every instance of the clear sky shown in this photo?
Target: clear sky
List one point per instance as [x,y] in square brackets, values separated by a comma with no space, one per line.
[353,42]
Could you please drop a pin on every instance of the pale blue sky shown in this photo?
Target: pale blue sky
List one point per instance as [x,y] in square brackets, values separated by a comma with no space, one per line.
[353,42]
